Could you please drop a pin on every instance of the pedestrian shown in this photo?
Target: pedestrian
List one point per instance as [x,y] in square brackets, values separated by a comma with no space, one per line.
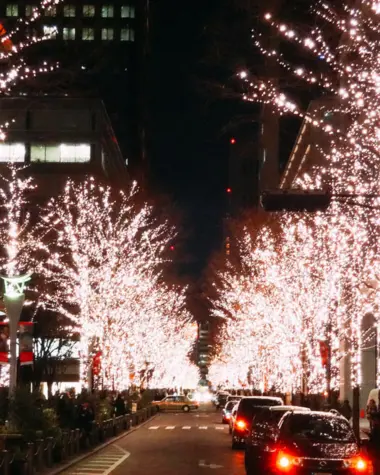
[371,411]
[119,406]
[346,410]
[374,443]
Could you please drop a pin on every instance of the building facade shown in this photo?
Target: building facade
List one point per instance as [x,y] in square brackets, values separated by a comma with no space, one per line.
[59,138]
[102,48]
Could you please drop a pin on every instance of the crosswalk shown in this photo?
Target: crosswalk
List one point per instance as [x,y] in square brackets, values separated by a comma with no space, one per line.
[102,463]
[213,427]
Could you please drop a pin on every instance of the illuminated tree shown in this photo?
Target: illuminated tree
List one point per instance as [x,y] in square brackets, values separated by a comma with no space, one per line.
[104,275]
[325,260]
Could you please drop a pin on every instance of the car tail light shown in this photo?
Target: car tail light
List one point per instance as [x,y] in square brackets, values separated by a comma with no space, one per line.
[358,464]
[285,462]
[240,424]
[228,416]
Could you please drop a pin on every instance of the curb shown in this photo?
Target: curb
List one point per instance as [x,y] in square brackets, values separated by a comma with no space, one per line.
[78,459]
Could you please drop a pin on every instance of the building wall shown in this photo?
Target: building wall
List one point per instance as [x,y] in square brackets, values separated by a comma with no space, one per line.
[61,137]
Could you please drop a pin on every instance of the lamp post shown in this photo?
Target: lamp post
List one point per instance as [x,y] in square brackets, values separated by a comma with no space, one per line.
[14,298]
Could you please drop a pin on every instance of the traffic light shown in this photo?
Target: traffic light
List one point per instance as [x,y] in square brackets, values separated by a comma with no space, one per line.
[296,200]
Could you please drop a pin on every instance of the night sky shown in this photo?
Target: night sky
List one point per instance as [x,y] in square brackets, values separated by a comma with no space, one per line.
[194,41]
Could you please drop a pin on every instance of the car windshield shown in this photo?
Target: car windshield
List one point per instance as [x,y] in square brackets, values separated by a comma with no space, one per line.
[249,407]
[320,428]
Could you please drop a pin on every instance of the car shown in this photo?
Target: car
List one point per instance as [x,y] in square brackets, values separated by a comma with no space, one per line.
[317,443]
[226,412]
[263,430]
[221,400]
[234,398]
[242,415]
[176,403]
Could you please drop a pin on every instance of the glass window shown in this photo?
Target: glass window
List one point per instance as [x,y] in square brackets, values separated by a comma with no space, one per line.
[50,31]
[107,34]
[60,153]
[11,10]
[127,34]
[320,428]
[69,11]
[87,34]
[78,153]
[52,11]
[88,10]
[107,11]
[12,152]
[128,11]
[69,33]
[29,10]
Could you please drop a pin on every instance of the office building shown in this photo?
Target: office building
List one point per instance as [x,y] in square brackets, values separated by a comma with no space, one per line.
[101,47]
[203,348]
[59,138]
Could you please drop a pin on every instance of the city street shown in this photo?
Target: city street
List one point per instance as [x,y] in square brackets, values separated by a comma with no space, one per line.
[169,444]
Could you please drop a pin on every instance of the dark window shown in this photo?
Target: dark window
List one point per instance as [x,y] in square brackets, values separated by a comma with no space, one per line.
[319,428]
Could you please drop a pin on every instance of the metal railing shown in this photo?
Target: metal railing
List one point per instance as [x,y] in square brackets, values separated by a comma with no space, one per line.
[42,454]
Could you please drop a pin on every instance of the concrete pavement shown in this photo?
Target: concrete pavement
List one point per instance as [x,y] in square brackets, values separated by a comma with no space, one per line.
[171,444]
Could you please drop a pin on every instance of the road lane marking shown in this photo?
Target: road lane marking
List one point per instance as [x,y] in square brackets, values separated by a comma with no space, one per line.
[203,427]
[170,427]
[154,427]
[186,427]
[204,464]
[220,428]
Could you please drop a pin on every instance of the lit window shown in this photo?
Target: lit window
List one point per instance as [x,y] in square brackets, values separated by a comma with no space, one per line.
[87,34]
[69,11]
[63,153]
[107,34]
[29,10]
[50,31]
[12,152]
[88,10]
[69,33]
[75,153]
[107,11]
[127,34]
[52,11]
[11,10]
[128,12]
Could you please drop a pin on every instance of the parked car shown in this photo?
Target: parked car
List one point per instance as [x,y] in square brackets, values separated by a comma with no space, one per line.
[263,429]
[242,415]
[307,443]
[226,412]
[176,403]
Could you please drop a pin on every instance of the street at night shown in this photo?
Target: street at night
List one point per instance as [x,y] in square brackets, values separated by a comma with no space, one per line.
[169,444]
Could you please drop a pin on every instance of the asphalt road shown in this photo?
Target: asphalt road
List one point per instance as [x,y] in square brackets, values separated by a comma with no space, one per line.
[169,444]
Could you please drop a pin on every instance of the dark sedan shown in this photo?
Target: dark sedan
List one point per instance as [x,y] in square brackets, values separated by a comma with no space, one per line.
[314,443]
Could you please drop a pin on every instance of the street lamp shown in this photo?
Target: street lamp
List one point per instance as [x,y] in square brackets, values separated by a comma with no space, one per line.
[14,298]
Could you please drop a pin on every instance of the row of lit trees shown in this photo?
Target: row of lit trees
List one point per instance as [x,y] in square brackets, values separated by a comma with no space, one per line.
[97,257]
[305,279]
[98,261]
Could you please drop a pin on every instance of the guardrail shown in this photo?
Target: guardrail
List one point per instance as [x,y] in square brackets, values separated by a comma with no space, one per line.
[41,455]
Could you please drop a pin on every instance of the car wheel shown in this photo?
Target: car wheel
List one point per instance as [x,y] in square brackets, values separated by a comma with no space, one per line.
[186,408]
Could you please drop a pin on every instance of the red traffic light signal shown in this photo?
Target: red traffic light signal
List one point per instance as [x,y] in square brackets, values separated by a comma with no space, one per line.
[172,248]
[229,190]
[296,200]
[233,141]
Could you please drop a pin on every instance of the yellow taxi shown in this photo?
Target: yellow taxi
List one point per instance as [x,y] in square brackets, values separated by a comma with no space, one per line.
[176,403]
